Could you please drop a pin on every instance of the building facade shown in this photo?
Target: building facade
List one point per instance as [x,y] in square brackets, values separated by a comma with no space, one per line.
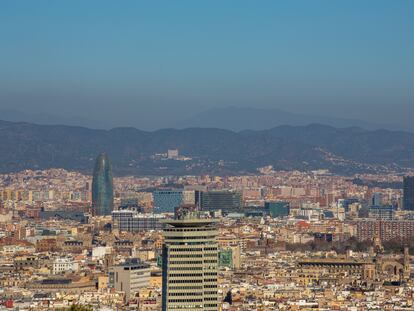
[63,265]
[133,221]
[381,212]
[190,263]
[226,201]
[130,277]
[385,230]
[277,209]
[165,201]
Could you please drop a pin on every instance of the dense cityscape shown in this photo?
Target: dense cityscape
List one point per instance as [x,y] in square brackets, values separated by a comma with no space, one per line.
[278,240]
[206,155]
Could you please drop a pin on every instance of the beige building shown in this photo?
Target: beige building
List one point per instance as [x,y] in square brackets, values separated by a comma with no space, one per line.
[130,277]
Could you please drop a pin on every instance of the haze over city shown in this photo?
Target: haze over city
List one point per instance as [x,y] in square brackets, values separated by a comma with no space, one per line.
[155,65]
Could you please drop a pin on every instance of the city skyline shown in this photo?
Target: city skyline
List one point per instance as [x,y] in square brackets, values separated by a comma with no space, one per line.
[206,156]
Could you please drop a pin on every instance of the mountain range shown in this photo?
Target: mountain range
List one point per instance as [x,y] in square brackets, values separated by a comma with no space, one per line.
[242,118]
[213,151]
[230,118]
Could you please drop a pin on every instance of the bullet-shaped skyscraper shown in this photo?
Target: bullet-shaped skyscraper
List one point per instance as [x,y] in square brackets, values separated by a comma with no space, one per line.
[102,187]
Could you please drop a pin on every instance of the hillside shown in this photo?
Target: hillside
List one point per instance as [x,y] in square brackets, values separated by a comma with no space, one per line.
[345,150]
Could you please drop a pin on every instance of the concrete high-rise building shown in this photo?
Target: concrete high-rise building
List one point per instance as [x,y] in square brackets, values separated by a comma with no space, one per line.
[408,187]
[102,187]
[189,264]
[130,277]
[198,190]
[189,197]
[386,230]
[226,201]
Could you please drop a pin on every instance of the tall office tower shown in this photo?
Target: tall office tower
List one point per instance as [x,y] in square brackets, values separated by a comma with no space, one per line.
[226,201]
[408,186]
[190,261]
[165,201]
[102,187]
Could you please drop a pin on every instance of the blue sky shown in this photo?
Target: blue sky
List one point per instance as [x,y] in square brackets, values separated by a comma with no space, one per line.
[148,64]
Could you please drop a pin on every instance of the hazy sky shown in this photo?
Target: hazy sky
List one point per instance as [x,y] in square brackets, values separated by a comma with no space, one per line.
[149,64]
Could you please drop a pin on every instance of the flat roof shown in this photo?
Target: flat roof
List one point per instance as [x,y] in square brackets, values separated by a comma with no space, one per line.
[189,222]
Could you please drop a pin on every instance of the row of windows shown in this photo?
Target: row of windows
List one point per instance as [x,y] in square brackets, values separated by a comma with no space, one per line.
[185,287]
[192,243]
[188,307]
[187,256]
[174,275]
[185,294]
[190,229]
[185,268]
[193,262]
[205,237]
[186,249]
[186,281]
[192,255]
[185,300]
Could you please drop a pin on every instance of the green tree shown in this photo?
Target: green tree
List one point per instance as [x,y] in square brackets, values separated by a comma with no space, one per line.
[77,307]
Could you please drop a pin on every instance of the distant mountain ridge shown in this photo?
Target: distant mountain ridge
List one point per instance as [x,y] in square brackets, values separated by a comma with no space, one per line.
[242,118]
[229,118]
[214,151]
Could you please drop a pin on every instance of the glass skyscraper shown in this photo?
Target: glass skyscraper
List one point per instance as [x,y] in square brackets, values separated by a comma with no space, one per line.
[165,201]
[102,187]
[226,201]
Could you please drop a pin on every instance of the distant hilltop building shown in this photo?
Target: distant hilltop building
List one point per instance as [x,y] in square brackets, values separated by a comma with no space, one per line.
[102,187]
[172,153]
